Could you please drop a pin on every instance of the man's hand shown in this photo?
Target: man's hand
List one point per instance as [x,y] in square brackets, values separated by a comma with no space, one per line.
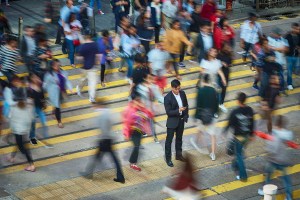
[182,109]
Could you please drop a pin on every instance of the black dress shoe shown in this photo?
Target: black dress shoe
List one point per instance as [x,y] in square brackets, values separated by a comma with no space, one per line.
[119,180]
[181,158]
[170,164]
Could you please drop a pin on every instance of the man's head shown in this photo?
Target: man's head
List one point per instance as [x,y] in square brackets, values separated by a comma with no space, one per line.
[212,53]
[205,27]
[105,34]
[241,98]
[252,17]
[69,3]
[198,8]
[277,32]
[176,24]
[295,28]
[139,59]
[29,31]
[12,42]
[175,86]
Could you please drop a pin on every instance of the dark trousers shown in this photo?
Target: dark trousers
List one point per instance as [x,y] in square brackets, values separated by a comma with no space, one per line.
[20,145]
[178,142]
[57,114]
[238,164]
[105,146]
[146,45]
[182,53]
[224,88]
[156,33]
[136,138]
[60,32]
[102,73]
[175,62]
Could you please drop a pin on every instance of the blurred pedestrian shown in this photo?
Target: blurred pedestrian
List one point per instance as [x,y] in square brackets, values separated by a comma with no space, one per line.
[39,32]
[251,32]
[208,10]
[139,7]
[21,117]
[140,71]
[174,39]
[104,122]
[122,29]
[72,30]
[105,45]
[241,120]
[177,109]
[156,17]
[205,116]
[90,54]
[42,55]
[189,6]
[279,156]
[204,41]
[98,6]
[36,93]
[183,186]
[28,47]
[226,58]
[169,10]
[120,9]
[158,59]
[145,29]
[9,54]
[56,84]
[223,33]
[292,56]
[4,26]
[136,123]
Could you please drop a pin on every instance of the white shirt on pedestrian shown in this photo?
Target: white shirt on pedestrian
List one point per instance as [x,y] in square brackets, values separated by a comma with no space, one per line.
[212,66]
[31,45]
[279,43]
[179,101]
[158,60]
[250,34]
[207,41]
[170,9]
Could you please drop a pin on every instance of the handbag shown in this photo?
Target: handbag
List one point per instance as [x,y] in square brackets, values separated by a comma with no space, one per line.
[230,148]
[76,42]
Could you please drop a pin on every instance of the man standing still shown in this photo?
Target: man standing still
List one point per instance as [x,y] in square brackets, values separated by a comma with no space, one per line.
[177,109]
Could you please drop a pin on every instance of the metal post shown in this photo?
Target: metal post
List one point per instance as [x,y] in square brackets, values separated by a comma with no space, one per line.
[269,191]
[20,31]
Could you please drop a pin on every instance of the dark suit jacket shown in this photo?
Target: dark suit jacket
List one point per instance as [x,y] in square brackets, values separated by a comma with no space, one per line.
[200,46]
[172,109]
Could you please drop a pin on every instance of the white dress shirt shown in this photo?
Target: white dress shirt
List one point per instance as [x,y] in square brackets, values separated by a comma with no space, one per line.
[250,34]
[279,43]
[179,101]
[207,41]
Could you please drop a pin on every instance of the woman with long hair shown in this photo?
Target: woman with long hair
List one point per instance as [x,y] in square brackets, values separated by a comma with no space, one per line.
[56,84]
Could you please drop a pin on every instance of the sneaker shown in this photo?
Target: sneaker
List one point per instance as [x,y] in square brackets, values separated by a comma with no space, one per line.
[223,108]
[238,177]
[181,64]
[212,156]
[156,140]
[202,151]
[33,141]
[216,116]
[48,146]
[290,87]
[100,12]
[260,192]
[78,91]
[92,100]
[135,167]
[255,87]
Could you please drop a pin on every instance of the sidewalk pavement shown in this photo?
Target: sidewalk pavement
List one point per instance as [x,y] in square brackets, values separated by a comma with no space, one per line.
[33,12]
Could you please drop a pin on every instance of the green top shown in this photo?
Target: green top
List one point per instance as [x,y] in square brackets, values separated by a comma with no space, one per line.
[207,98]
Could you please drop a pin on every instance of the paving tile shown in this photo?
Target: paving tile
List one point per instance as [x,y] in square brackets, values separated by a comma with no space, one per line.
[65,183]
[32,197]
[59,192]
[46,195]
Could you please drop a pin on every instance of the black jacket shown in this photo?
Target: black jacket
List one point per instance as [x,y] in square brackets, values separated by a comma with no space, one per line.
[172,109]
[200,46]
[197,21]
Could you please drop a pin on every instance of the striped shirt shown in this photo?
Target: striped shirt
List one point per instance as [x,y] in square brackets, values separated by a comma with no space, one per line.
[8,58]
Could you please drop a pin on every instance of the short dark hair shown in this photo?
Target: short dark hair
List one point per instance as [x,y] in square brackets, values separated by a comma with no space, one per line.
[11,38]
[241,97]
[205,23]
[295,24]
[105,33]
[139,58]
[27,27]
[175,83]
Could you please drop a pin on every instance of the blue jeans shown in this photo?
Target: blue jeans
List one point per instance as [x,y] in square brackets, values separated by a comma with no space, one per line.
[238,163]
[6,109]
[71,50]
[130,63]
[264,81]
[285,177]
[98,4]
[292,63]
[40,113]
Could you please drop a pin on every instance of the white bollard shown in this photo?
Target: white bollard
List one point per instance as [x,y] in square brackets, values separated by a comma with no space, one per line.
[269,191]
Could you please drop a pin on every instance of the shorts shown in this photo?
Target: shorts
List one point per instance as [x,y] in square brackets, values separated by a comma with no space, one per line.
[210,129]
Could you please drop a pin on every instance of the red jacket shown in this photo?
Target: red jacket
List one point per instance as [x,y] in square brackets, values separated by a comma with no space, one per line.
[130,115]
[223,35]
[208,10]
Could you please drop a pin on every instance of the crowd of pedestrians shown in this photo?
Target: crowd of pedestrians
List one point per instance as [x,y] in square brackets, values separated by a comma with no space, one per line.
[178,29]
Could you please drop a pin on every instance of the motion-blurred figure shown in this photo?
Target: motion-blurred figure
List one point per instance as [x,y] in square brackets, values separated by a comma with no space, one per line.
[241,120]
[104,122]
[279,156]
[184,185]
